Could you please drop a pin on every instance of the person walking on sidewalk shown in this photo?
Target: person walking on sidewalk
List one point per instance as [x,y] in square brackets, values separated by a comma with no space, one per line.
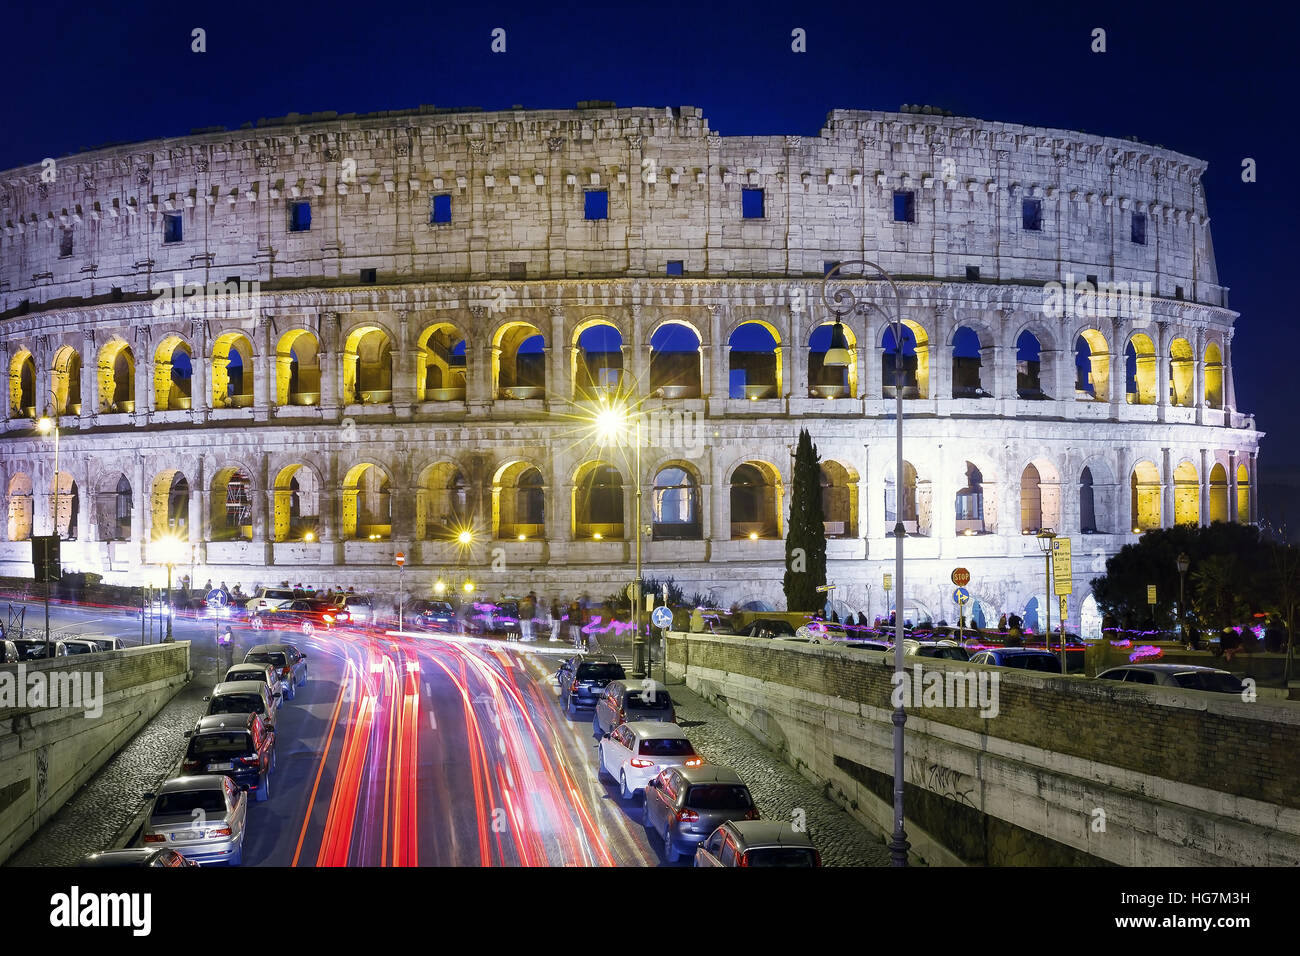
[555,620]
[527,614]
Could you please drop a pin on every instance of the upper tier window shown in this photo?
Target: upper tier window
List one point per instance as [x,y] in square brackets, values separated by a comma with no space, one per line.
[904,206]
[595,204]
[751,204]
[173,227]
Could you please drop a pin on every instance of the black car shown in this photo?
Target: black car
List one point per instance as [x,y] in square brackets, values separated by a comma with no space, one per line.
[583,678]
[241,746]
[436,616]
[770,628]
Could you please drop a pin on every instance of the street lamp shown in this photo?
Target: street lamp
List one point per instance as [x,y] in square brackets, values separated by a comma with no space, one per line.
[611,425]
[170,550]
[1045,538]
[841,304]
[1182,562]
[46,425]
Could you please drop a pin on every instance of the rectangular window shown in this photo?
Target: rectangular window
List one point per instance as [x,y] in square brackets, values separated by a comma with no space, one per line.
[519,270]
[827,266]
[1092,281]
[440,208]
[904,205]
[674,268]
[300,217]
[1138,231]
[65,244]
[369,276]
[1178,292]
[751,203]
[972,273]
[1031,215]
[595,204]
[173,228]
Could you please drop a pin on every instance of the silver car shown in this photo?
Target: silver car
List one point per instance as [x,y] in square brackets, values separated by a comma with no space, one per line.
[203,818]
[242,697]
[757,843]
[683,805]
[634,753]
[261,672]
[1184,676]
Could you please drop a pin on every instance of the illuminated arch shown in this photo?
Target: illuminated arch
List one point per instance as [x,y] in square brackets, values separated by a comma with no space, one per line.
[297,504]
[170,511]
[1218,493]
[839,487]
[232,371]
[442,502]
[21,507]
[230,505]
[755,494]
[114,503]
[913,507]
[597,359]
[518,501]
[1040,497]
[1243,494]
[1213,376]
[440,364]
[172,372]
[754,360]
[1140,370]
[66,505]
[598,501]
[1182,373]
[297,368]
[1187,494]
[1092,366]
[66,381]
[367,503]
[1144,497]
[116,377]
[676,360]
[966,363]
[916,360]
[22,385]
[835,381]
[676,508]
[519,361]
[368,367]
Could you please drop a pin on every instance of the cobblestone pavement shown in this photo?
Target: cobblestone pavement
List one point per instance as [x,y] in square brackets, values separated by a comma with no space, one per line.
[777,788]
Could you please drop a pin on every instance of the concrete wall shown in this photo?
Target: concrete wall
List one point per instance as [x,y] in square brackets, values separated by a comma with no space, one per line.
[46,754]
[1179,779]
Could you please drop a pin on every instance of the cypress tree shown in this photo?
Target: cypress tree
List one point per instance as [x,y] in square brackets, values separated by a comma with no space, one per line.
[805,541]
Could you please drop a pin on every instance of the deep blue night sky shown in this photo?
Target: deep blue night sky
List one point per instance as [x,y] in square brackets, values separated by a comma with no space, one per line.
[1219,86]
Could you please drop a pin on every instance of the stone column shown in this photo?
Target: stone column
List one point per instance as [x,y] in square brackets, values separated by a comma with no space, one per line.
[1229,389]
[941,356]
[143,372]
[200,389]
[89,384]
[558,387]
[1253,475]
[865,527]
[719,386]
[943,496]
[1232,487]
[404,367]
[559,513]
[329,358]
[1198,389]
[719,503]
[1166,489]
[638,353]
[1204,479]
[1162,371]
[140,517]
[1005,373]
[800,323]
[1118,370]
[263,367]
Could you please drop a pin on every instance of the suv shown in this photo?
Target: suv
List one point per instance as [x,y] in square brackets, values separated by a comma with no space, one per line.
[288,662]
[636,752]
[266,673]
[626,701]
[436,616]
[1185,676]
[1023,658]
[685,804]
[200,817]
[241,746]
[242,697]
[757,843]
[584,677]
[269,599]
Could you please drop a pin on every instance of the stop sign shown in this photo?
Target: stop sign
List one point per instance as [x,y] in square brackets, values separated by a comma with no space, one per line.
[401,558]
[960,577]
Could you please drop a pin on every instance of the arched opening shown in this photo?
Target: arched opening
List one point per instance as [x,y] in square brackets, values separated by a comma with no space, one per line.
[598,501]
[755,500]
[1140,370]
[1040,498]
[839,500]
[22,386]
[297,504]
[912,506]
[519,502]
[66,506]
[598,360]
[367,504]
[116,378]
[440,364]
[443,508]
[754,362]
[966,364]
[970,510]
[1087,503]
[171,506]
[1092,367]
[1090,619]
[20,507]
[1213,376]
[1144,493]
[1182,373]
[675,361]
[231,505]
[297,369]
[368,367]
[915,361]
[1218,493]
[519,351]
[66,384]
[1034,619]
[1187,494]
[113,506]
[1029,368]
[232,371]
[835,381]
[1243,495]
[675,505]
[172,374]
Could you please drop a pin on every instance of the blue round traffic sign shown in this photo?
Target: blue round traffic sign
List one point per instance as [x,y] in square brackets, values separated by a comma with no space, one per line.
[661,616]
[217,598]
[961,595]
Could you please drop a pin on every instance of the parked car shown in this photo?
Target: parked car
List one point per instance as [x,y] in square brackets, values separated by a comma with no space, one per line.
[33,649]
[300,615]
[106,643]
[243,697]
[685,804]
[241,746]
[822,632]
[435,616]
[584,677]
[135,856]
[1022,658]
[1184,676]
[867,645]
[268,599]
[770,628]
[360,609]
[757,843]
[265,673]
[626,701]
[635,753]
[945,650]
[78,645]
[201,817]
[289,663]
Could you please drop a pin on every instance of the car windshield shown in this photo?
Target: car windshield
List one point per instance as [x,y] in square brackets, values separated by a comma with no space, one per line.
[74,648]
[247,675]
[220,744]
[665,747]
[780,856]
[600,671]
[237,704]
[263,657]
[185,802]
[1208,680]
[719,796]
[659,701]
[438,607]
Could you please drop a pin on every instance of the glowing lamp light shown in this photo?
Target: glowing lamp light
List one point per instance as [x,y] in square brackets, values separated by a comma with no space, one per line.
[597,536]
[45,425]
[1137,530]
[523,537]
[753,536]
[610,423]
[838,355]
[440,587]
[464,537]
[309,536]
[469,587]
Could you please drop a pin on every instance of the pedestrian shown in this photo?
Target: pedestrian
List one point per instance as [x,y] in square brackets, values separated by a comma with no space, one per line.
[575,624]
[1002,623]
[555,620]
[527,612]
[207,587]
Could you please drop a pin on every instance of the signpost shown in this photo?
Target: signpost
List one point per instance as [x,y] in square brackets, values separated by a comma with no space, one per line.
[961,597]
[1062,584]
[401,590]
[1151,599]
[889,586]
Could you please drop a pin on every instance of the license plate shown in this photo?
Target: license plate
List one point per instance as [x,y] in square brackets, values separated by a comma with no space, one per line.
[222,765]
[186,836]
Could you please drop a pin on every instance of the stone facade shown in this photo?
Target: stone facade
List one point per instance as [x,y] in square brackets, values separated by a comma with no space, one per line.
[355,378]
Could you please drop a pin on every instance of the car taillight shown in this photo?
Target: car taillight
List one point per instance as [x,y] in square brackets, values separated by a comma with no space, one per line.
[694,762]
[641,763]
[744,860]
[191,765]
[573,688]
[687,815]
[154,838]
[751,813]
[219,831]
[252,761]
[817,858]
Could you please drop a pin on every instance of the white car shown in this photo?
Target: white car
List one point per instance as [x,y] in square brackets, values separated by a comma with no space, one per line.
[633,754]
[269,599]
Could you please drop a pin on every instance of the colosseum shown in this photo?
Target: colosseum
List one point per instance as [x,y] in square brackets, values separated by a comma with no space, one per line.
[305,346]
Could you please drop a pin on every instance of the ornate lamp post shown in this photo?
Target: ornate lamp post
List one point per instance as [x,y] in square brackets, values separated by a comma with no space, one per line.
[170,548]
[842,303]
[611,424]
[49,424]
[1045,538]
[1182,562]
